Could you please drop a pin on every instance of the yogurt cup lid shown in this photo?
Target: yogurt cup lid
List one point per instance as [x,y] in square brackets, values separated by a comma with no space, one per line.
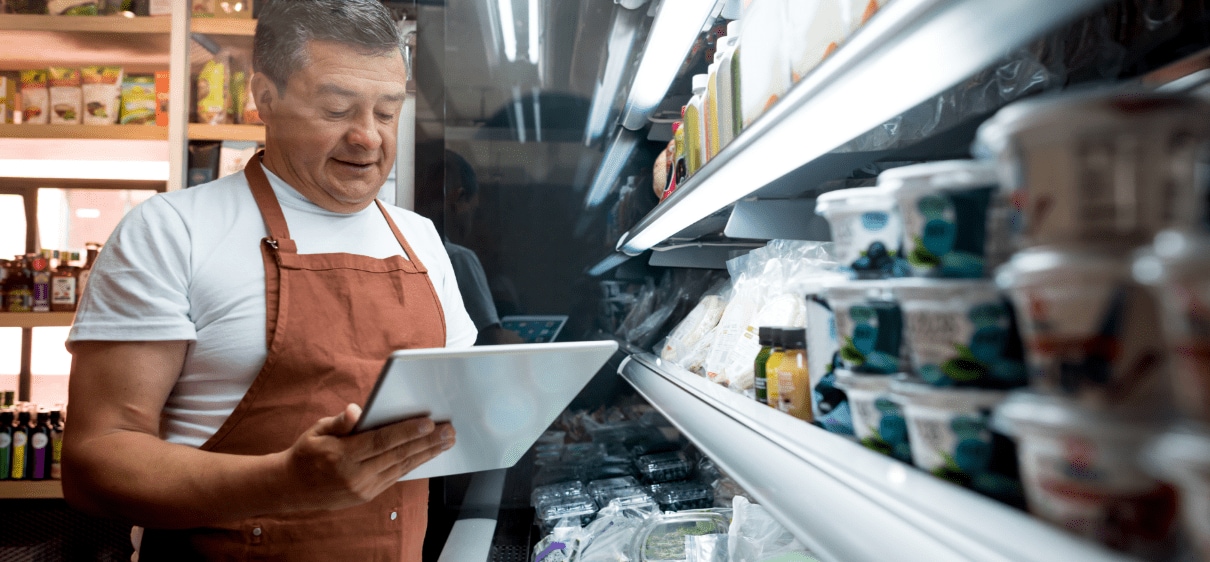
[855,200]
[949,174]
[847,380]
[964,399]
[1175,254]
[819,284]
[1030,412]
[874,290]
[1065,115]
[1046,264]
[1182,452]
[921,288]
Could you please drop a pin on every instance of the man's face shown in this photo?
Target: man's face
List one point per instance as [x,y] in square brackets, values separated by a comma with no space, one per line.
[332,134]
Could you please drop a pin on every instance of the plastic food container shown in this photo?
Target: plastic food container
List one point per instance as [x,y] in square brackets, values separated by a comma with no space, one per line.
[550,492]
[1182,457]
[664,467]
[1100,166]
[877,420]
[578,507]
[662,537]
[1090,332]
[598,488]
[1082,471]
[869,327]
[960,333]
[866,231]
[678,496]
[955,217]
[823,356]
[948,428]
[1179,272]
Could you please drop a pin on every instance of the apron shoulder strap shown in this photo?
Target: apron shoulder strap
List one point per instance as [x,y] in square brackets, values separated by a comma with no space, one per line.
[399,237]
[262,192]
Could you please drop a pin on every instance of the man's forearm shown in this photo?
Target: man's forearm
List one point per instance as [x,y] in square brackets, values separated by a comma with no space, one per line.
[152,483]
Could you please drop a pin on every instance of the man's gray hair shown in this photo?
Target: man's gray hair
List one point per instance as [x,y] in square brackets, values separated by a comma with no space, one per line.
[284,27]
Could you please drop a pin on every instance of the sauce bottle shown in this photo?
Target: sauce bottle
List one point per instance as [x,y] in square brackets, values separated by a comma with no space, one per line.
[6,444]
[19,291]
[776,353]
[82,282]
[765,335]
[20,464]
[40,447]
[40,266]
[793,380]
[56,443]
[63,286]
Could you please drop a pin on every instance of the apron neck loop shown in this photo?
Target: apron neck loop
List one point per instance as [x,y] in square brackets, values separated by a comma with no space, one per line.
[270,209]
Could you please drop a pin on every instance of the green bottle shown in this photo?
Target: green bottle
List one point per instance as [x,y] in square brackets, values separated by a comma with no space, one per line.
[6,444]
[760,382]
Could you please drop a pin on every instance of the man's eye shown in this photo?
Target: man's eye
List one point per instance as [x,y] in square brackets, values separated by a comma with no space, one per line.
[385,116]
[337,114]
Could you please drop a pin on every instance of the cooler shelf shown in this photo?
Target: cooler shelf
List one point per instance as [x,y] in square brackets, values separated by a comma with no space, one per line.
[841,500]
[35,319]
[30,490]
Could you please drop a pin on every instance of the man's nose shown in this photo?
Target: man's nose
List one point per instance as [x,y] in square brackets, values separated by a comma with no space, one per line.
[363,132]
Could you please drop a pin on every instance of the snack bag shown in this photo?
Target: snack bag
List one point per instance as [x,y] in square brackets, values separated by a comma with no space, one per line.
[102,90]
[66,101]
[213,95]
[35,97]
[138,101]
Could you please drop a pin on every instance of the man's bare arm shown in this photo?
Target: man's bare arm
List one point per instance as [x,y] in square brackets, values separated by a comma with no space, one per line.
[116,464]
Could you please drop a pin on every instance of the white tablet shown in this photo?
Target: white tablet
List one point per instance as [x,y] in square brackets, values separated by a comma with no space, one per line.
[499,398]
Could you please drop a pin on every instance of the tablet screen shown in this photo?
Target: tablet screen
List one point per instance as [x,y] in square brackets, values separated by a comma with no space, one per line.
[534,329]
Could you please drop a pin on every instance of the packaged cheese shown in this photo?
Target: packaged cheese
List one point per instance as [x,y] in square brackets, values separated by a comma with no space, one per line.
[138,101]
[102,91]
[66,99]
[35,97]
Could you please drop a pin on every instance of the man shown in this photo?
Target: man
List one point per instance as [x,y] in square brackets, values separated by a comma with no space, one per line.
[230,330]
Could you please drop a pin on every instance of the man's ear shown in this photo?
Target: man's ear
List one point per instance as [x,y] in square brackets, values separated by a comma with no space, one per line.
[264,94]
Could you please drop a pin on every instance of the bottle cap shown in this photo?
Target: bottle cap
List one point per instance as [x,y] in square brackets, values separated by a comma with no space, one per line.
[775,336]
[699,82]
[55,416]
[23,417]
[794,338]
[43,416]
[765,335]
[6,418]
[733,29]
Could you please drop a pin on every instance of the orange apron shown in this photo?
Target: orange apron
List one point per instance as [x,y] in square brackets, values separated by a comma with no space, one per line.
[331,321]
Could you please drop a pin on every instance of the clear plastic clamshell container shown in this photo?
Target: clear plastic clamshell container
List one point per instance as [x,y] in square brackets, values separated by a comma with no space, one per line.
[580,507]
[662,537]
[545,494]
[679,496]
[664,467]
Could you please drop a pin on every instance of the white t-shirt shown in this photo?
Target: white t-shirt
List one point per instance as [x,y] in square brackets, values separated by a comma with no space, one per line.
[187,265]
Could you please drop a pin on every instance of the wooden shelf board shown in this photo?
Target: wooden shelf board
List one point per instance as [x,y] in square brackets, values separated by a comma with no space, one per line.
[92,24]
[106,132]
[199,131]
[35,319]
[218,26]
[30,489]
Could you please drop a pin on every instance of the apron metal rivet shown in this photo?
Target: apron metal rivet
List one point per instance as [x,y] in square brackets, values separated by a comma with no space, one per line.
[256,531]
[394,515]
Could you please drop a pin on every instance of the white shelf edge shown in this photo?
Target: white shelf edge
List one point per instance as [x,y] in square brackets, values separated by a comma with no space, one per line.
[910,51]
[842,500]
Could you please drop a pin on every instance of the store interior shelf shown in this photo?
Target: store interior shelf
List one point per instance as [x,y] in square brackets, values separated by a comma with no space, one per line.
[219,26]
[200,131]
[885,69]
[97,24]
[30,489]
[105,132]
[840,499]
[35,319]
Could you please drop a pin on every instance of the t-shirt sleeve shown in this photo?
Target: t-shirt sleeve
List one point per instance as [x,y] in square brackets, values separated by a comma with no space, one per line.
[472,285]
[138,290]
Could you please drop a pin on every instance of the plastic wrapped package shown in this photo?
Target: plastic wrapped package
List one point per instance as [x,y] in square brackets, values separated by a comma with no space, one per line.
[663,537]
[697,325]
[679,496]
[610,537]
[754,535]
[559,544]
[706,548]
[664,467]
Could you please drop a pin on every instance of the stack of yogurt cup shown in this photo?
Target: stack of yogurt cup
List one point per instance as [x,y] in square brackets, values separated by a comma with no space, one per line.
[1093,178]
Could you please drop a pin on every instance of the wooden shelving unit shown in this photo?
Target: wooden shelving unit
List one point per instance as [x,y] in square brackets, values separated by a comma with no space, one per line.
[90,24]
[104,132]
[215,26]
[199,131]
[30,489]
[35,319]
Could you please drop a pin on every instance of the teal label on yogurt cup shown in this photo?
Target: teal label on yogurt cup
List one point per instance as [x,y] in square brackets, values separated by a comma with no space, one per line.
[953,233]
[956,343]
[871,337]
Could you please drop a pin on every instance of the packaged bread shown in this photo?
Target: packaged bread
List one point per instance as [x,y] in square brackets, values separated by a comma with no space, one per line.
[102,91]
[66,98]
[700,321]
[35,97]
[138,101]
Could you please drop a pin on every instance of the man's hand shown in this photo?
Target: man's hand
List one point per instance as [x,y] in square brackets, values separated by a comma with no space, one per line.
[329,469]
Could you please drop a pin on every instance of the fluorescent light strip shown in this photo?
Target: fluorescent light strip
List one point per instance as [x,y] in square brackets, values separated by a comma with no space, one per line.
[535,27]
[621,44]
[508,29]
[611,167]
[676,27]
[884,71]
[136,170]
[611,261]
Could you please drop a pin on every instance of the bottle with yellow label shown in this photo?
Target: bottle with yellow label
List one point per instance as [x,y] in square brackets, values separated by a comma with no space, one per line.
[793,380]
[694,126]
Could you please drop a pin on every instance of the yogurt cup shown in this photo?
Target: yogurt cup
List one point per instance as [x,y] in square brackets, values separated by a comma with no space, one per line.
[948,428]
[1090,332]
[960,333]
[1098,166]
[1179,272]
[1082,472]
[866,231]
[955,217]
[869,327]
[823,354]
[1182,457]
[877,420]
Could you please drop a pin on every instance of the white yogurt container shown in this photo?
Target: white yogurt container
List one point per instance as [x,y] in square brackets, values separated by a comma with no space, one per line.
[948,428]
[1179,272]
[866,231]
[955,217]
[1182,457]
[960,333]
[877,420]
[1082,472]
[822,344]
[1090,332]
[869,327]
[1098,166]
